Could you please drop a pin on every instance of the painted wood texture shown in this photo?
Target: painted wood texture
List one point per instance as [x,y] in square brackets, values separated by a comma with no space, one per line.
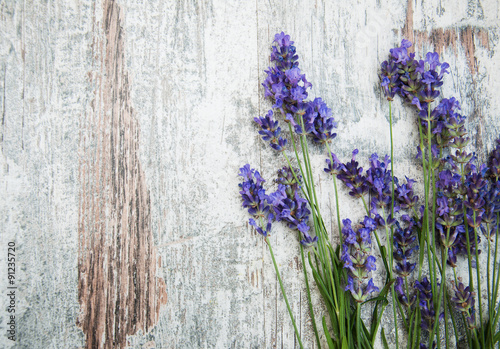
[124,123]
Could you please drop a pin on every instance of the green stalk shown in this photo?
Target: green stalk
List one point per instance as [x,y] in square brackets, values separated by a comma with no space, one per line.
[425,223]
[478,277]
[443,281]
[488,274]
[309,302]
[467,238]
[358,324]
[392,159]
[307,163]
[322,237]
[336,195]
[450,309]
[284,293]
[431,179]
[366,207]
[495,289]
[389,243]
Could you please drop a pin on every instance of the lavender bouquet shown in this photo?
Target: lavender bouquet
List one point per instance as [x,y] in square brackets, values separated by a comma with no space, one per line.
[419,238]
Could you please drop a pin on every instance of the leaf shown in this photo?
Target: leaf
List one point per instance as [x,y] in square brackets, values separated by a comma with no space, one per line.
[383,252]
[344,343]
[327,334]
[384,340]
[377,317]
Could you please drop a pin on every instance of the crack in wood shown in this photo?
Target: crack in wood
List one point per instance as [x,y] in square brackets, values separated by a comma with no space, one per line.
[119,292]
[443,38]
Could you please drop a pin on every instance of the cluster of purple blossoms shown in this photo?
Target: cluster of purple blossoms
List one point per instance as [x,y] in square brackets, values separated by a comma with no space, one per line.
[285,204]
[404,247]
[254,198]
[357,258]
[376,181]
[350,173]
[404,195]
[287,87]
[416,81]
[464,302]
[494,163]
[426,304]
[378,178]
[318,121]
[270,131]
[289,206]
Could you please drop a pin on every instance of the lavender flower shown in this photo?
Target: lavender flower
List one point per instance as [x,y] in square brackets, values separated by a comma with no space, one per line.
[404,194]
[416,81]
[403,241]
[285,84]
[378,179]
[357,259]
[318,121]
[289,206]
[389,79]
[333,168]
[287,88]
[427,310]
[494,162]
[271,132]
[464,302]
[352,176]
[254,198]
[401,293]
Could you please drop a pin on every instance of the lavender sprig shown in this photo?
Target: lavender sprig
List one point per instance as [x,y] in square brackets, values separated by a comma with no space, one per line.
[289,206]
[426,304]
[357,258]
[464,302]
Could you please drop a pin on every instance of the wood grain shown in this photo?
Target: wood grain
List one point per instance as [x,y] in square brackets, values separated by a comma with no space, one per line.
[119,291]
[123,125]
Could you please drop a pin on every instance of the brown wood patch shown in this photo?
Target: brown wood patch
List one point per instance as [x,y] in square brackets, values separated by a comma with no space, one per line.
[119,292]
[443,38]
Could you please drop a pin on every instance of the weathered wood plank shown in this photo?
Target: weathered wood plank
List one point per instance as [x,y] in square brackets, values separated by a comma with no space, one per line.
[124,123]
[119,291]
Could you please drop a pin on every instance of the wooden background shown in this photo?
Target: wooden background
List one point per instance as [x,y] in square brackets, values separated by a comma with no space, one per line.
[124,123]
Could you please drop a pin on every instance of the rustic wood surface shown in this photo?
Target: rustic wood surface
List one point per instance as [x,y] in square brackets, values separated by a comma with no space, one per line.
[124,123]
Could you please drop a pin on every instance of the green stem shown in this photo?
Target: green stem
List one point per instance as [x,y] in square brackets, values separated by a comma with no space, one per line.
[392,159]
[311,310]
[425,224]
[358,324]
[336,196]
[467,238]
[366,207]
[283,292]
[488,279]
[478,276]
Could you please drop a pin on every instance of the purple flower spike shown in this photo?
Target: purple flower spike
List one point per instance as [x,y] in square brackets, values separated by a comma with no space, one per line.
[464,302]
[357,259]
[358,292]
[289,206]
[352,176]
[415,81]
[255,199]
[318,122]
[403,250]
[401,293]
[494,162]
[334,168]
[427,310]
[270,131]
